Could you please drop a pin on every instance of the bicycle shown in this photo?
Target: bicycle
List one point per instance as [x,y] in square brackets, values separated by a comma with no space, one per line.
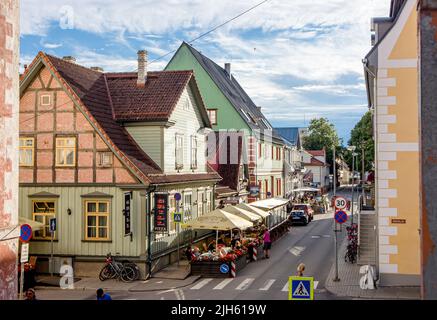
[117,270]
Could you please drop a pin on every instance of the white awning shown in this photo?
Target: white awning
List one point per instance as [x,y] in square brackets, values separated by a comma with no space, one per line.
[33,224]
[248,207]
[242,213]
[218,220]
[269,204]
[307,190]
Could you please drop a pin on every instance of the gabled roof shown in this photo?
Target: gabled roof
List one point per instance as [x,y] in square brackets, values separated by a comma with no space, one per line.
[292,135]
[317,153]
[91,92]
[234,93]
[315,162]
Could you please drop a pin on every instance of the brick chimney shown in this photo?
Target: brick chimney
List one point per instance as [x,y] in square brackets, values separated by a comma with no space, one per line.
[228,69]
[142,68]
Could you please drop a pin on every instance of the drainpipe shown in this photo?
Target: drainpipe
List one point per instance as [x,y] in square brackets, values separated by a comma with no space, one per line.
[149,230]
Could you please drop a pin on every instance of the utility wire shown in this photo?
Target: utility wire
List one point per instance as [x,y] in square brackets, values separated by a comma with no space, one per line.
[213,29]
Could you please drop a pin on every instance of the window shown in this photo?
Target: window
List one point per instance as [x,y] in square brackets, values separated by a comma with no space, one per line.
[193,152]
[273,153]
[66,152]
[279,186]
[104,159]
[212,114]
[27,150]
[45,100]
[200,203]
[245,115]
[260,150]
[179,151]
[96,220]
[43,211]
[188,207]
[266,188]
[186,105]
[208,201]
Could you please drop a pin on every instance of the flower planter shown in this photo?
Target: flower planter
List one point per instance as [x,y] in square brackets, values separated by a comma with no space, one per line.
[212,269]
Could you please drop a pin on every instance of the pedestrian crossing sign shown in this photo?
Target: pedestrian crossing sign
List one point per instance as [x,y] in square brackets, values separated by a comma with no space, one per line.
[301,288]
[177,217]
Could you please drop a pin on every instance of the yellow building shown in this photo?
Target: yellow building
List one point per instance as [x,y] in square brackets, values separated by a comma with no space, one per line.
[392,84]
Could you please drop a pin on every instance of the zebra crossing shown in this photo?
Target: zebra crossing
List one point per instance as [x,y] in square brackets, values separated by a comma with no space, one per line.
[241,284]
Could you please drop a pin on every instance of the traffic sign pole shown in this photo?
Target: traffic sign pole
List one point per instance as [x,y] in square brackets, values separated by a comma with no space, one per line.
[178,198]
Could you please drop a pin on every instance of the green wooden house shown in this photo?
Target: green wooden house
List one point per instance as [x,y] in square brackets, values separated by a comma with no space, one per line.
[231,109]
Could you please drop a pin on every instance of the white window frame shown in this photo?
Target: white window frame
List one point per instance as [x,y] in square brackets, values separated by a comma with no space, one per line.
[193,151]
[41,99]
[179,151]
[188,206]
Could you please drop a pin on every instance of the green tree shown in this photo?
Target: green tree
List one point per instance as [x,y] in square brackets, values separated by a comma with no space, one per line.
[362,138]
[322,134]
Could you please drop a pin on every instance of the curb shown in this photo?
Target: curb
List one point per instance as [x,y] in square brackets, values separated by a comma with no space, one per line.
[196,278]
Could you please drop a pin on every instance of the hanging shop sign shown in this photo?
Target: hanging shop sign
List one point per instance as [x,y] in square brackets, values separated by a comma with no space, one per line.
[161,212]
[127,213]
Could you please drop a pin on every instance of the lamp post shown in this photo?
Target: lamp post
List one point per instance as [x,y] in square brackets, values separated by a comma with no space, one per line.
[352,149]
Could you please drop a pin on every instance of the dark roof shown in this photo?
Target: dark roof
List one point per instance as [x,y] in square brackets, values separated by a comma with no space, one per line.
[234,93]
[291,135]
[96,94]
[154,102]
[91,88]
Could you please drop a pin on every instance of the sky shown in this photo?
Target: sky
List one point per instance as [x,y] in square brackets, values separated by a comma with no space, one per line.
[297,59]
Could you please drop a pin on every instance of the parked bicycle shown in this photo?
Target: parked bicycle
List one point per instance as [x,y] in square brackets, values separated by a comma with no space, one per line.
[352,247]
[126,271]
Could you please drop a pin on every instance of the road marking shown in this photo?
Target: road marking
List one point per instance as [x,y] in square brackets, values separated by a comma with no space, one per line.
[327,236]
[315,237]
[245,284]
[180,294]
[201,284]
[267,285]
[297,251]
[285,288]
[223,284]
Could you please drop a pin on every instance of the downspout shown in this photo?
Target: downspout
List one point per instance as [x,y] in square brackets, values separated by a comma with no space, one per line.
[149,232]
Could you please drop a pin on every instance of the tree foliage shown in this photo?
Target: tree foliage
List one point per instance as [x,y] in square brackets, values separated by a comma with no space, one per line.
[322,134]
[362,138]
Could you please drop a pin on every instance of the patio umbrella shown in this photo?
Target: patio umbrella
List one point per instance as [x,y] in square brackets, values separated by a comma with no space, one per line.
[35,225]
[242,213]
[218,220]
[248,207]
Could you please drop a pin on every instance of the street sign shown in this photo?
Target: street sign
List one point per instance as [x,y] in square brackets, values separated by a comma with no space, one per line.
[224,268]
[340,203]
[127,213]
[24,253]
[177,217]
[301,288]
[177,196]
[340,217]
[25,233]
[52,224]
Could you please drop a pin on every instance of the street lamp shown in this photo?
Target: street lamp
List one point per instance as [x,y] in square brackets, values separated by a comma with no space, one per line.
[352,149]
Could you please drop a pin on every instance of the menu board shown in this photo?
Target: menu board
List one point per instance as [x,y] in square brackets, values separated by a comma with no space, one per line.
[161,212]
[127,213]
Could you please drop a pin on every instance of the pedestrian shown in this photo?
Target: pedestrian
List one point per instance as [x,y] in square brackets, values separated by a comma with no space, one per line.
[102,296]
[30,294]
[300,270]
[267,243]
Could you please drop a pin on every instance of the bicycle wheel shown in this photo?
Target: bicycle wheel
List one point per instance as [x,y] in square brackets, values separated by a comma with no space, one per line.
[135,267]
[127,274]
[106,273]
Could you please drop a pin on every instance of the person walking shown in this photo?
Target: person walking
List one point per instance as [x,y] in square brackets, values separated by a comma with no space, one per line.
[267,243]
[102,296]
[300,270]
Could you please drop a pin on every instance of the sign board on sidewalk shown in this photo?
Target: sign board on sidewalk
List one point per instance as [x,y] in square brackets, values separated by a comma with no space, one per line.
[340,203]
[25,233]
[52,224]
[24,253]
[127,213]
[340,217]
[301,288]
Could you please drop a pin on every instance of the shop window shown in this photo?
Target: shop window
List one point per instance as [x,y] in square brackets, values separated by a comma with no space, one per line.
[66,152]
[27,152]
[96,220]
[43,211]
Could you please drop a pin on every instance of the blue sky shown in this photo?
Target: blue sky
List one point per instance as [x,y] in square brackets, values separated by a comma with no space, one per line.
[298,59]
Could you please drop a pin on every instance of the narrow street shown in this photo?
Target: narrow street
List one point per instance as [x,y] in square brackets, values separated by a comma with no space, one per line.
[266,279]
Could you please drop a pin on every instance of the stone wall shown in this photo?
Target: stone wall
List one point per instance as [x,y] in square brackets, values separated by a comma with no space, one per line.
[9,55]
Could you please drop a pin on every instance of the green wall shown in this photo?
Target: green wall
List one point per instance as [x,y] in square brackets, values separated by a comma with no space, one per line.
[227,116]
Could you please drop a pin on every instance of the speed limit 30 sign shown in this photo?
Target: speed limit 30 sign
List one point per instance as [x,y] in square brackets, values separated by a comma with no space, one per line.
[340,203]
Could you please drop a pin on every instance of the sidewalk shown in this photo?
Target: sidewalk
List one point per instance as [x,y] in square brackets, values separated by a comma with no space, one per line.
[348,286]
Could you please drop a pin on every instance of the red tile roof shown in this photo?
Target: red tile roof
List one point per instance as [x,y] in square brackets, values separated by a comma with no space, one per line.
[107,97]
[315,162]
[317,153]
[154,102]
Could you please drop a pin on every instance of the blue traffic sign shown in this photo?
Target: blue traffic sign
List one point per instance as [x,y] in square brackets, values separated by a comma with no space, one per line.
[177,217]
[340,217]
[301,288]
[224,268]
[25,233]
[52,224]
[177,196]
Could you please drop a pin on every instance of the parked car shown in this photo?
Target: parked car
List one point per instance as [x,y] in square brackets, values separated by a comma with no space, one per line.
[305,207]
[299,217]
